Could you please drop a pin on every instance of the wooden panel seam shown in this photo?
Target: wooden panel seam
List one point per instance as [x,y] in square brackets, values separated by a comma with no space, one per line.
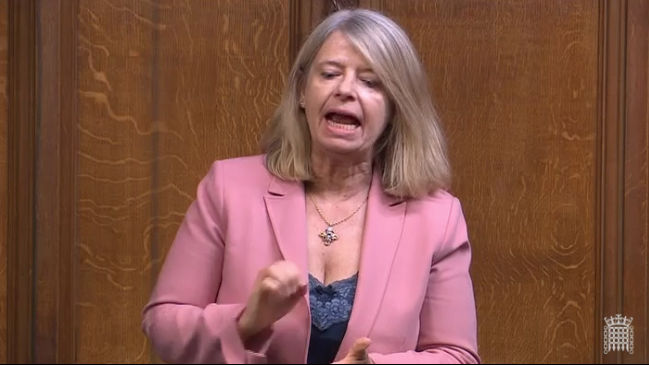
[610,200]
[25,203]
[306,15]
[636,178]
[21,153]
[68,144]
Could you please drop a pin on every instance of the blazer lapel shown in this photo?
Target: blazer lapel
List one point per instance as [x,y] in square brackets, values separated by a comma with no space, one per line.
[285,204]
[286,208]
[383,226]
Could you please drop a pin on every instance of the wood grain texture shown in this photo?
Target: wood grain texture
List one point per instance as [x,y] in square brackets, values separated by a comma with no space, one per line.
[4,114]
[636,179]
[610,174]
[164,89]
[515,84]
[116,154]
[215,95]
[47,219]
[623,168]
[306,15]
[55,167]
[624,183]
[545,104]
[21,155]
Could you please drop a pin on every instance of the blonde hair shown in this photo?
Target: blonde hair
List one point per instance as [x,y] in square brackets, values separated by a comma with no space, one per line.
[411,152]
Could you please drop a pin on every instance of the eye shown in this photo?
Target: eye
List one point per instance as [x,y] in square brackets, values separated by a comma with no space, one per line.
[371,83]
[327,75]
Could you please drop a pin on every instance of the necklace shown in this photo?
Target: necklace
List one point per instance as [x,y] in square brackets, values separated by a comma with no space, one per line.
[328,235]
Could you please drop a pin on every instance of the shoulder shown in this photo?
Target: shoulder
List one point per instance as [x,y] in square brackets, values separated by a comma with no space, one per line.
[440,210]
[239,174]
[241,169]
[250,166]
[440,202]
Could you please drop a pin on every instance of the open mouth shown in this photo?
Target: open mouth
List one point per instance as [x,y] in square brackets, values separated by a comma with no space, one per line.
[342,121]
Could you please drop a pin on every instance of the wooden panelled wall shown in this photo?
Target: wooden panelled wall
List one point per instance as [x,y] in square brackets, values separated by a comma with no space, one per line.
[516,84]
[111,112]
[4,27]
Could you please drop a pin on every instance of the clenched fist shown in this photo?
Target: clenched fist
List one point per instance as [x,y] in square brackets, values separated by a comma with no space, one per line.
[276,291]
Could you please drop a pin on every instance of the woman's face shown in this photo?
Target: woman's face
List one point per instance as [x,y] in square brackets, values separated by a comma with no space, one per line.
[345,104]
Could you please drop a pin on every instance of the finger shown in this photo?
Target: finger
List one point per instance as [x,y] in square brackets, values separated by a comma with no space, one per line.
[274,274]
[291,274]
[301,290]
[270,285]
[359,348]
[297,290]
[288,275]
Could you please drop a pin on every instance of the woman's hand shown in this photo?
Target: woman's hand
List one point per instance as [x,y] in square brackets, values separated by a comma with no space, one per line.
[358,353]
[276,291]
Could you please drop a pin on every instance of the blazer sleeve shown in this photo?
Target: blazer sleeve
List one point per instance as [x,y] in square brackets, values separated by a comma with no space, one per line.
[448,325]
[181,318]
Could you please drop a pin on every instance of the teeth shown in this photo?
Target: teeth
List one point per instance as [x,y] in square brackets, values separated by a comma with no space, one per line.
[344,126]
[342,122]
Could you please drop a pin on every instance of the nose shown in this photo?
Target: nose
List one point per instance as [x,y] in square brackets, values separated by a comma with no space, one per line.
[345,88]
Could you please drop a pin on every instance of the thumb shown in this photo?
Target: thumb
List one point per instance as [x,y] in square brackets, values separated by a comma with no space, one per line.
[359,349]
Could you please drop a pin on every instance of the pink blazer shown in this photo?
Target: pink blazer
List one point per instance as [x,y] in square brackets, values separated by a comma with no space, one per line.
[414,297]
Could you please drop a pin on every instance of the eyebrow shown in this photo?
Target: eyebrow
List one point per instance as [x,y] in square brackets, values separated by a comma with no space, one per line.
[340,65]
[330,63]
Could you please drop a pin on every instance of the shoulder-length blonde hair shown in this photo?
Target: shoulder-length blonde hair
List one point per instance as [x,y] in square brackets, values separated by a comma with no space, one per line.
[411,152]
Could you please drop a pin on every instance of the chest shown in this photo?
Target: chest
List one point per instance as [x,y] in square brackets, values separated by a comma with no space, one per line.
[334,255]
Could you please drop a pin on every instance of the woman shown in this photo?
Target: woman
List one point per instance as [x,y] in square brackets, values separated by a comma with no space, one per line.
[340,242]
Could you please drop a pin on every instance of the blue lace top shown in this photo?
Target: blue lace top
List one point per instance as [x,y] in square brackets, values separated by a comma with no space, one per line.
[331,306]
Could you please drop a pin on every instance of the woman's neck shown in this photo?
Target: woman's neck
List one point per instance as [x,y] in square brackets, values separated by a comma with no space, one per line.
[340,180]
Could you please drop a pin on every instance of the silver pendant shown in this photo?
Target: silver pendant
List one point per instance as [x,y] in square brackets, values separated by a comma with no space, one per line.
[328,236]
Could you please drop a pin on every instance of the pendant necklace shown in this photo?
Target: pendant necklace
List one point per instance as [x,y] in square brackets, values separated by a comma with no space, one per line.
[328,235]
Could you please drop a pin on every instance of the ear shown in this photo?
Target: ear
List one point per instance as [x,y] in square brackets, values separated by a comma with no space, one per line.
[300,85]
